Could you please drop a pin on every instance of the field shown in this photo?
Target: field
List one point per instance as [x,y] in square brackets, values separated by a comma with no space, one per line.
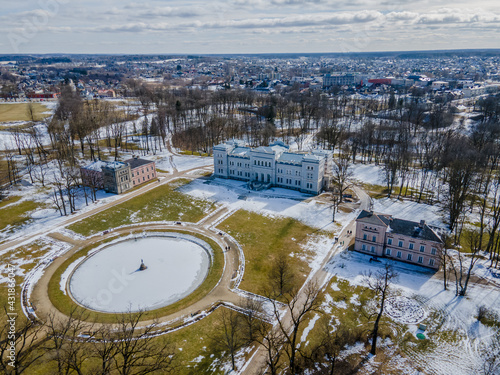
[18,112]
[16,214]
[264,239]
[161,204]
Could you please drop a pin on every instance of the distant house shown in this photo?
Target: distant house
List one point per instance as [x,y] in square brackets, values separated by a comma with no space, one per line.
[116,176]
[43,95]
[403,240]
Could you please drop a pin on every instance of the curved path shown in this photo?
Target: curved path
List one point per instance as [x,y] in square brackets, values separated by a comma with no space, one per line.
[221,293]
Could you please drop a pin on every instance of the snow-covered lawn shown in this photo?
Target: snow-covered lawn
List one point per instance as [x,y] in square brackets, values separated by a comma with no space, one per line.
[273,202]
[368,174]
[422,298]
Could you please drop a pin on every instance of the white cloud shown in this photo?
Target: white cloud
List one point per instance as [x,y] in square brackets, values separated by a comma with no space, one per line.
[287,24]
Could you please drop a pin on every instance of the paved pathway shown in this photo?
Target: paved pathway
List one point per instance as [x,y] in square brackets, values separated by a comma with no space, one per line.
[257,362]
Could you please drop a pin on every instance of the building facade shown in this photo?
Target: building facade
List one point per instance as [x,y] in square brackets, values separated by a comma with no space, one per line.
[402,240]
[274,165]
[141,171]
[116,176]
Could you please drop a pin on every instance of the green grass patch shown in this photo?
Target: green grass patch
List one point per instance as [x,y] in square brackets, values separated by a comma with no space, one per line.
[195,342]
[8,200]
[197,153]
[163,203]
[376,191]
[263,239]
[19,112]
[64,303]
[15,215]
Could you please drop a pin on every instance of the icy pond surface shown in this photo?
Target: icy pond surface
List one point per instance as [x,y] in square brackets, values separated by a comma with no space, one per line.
[110,280]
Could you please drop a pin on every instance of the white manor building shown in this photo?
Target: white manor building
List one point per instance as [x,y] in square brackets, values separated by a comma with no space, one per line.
[274,165]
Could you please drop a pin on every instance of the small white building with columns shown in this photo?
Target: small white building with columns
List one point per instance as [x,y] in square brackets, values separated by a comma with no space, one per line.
[274,165]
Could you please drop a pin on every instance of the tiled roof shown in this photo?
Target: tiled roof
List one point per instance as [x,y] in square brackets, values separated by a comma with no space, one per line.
[399,226]
[135,163]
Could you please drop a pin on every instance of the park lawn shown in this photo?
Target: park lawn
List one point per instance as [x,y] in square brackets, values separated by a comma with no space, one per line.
[191,344]
[15,215]
[9,199]
[195,342]
[18,112]
[163,203]
[263,239]
[23,257]
[345,304]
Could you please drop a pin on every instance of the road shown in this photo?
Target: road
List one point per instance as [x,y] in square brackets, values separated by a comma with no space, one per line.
[257,362]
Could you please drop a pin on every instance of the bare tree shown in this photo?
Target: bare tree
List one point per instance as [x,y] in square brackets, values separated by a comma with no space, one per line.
[380,282]
[26,340]
[64,345]
[281,276]
[138,352]
[229,336]
[298,303]
[466,263]
[342,174]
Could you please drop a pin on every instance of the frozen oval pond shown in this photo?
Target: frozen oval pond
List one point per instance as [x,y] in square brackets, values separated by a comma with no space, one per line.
[110,280]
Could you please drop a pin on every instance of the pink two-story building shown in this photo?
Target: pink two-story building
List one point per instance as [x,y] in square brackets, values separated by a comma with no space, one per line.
[403,240]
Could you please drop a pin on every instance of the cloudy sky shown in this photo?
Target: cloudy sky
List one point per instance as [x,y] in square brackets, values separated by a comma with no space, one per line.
[246,26]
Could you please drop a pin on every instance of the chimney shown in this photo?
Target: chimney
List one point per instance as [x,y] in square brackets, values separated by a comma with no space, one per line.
[422,223]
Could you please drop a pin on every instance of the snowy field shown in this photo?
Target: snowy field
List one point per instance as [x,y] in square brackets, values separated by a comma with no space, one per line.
[409,210]
[273,202]
[422,298]
[111,281]
[181,163]
[369,174]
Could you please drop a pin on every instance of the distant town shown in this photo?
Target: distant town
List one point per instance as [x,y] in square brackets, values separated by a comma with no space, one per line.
[449,74]
[250,214]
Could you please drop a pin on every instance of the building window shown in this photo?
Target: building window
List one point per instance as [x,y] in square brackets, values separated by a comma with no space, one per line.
[363,247]
[388,252]
[400,243]
[420,260]
[422,248]
[373,249]
[431,262]
[433,251]
[143,179]
[364,236]
[389,241]
[399,254]
[374,238]
[409,257]
[411,245]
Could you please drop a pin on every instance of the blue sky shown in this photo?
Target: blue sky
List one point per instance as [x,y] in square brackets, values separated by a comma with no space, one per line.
[246,26]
